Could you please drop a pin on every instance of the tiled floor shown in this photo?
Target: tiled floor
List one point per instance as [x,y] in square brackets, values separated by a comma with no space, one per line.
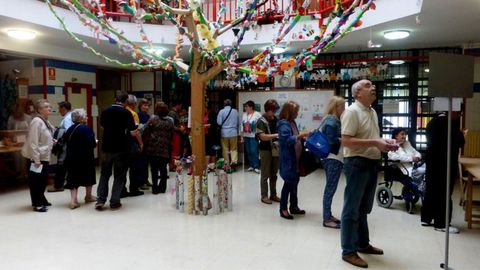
[148,233]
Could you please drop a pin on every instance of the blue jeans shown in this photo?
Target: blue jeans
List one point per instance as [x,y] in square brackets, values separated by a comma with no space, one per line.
[119,163]
[333,169]
[289,189]
[361,176]
[251,150]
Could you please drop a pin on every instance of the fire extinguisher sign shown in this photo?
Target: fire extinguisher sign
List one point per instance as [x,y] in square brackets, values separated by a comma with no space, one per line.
[51,74]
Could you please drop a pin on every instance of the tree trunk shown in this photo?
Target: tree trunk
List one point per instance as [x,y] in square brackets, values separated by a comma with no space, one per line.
[197,125]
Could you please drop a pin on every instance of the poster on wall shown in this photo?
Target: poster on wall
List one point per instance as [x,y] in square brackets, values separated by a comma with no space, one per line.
[312,104]
[22,91]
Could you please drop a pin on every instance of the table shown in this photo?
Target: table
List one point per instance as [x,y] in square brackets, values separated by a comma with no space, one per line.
[472,166]
[10,149]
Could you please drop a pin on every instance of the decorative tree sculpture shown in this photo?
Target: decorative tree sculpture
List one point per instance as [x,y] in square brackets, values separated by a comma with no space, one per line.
[207,59]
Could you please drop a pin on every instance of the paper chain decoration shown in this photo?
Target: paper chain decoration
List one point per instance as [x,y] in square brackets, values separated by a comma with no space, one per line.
[203,40]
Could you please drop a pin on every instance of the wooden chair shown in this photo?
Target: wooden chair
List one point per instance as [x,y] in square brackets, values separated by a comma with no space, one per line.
[463,179]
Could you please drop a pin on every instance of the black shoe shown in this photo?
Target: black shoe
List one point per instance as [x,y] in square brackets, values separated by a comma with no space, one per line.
[155,191]
[99,206]
[115,207]
[297,211]
[41,209]
[48,204]
[136,193]
[285,216]
[124,194]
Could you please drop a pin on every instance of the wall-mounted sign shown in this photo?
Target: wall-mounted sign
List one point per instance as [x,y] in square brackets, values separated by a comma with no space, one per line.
[51,74]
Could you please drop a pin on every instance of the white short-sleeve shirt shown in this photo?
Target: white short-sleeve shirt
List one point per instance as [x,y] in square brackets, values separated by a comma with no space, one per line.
[362,123]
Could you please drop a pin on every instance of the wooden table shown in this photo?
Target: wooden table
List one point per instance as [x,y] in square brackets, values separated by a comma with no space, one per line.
[472,165]
[10,149]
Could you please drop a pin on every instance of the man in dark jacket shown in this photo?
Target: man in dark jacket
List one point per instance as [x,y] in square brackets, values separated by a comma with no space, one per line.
[434,203]
[117,125]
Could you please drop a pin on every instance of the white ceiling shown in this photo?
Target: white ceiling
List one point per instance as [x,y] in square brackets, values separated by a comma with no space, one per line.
[441,23]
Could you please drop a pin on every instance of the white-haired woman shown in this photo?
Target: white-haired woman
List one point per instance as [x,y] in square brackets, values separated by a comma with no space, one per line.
[80,160]
[37,150]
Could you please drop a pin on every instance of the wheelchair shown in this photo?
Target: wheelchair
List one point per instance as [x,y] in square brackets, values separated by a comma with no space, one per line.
[413,186]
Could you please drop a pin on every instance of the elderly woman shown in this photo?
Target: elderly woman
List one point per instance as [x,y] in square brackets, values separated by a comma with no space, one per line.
[290,140]
[267,133]
[157,137]
[80,160]
[37,150]
[333,163]
[405,154]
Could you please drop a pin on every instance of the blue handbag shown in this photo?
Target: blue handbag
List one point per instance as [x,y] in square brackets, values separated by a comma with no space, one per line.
[317,143]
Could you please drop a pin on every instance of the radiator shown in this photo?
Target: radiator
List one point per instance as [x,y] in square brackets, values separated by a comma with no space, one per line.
[472,144]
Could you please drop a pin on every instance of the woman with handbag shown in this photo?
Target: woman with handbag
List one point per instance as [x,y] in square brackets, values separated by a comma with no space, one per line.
[333,163]
[80,159]
[290,140]
[157,137]
[269,149]
[37,150]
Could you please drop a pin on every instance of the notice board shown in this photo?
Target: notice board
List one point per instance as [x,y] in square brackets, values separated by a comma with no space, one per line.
[312,103]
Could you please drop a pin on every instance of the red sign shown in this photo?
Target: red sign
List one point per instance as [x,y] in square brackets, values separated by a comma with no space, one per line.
[51,74]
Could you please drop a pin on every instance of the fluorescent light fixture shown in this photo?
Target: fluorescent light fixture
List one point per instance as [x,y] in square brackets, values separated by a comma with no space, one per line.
[155,50]
[396,34]
[397,62]
[399,76]
[376,45]
[427,70]
[21,34]
[278,50]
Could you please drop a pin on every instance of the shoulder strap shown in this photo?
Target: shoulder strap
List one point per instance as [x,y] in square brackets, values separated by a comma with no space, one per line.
[224,120]
[265,121]
[46,124]
[322,123]
[69,137]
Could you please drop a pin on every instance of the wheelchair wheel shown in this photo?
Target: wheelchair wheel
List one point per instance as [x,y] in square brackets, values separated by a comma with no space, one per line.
[384,197]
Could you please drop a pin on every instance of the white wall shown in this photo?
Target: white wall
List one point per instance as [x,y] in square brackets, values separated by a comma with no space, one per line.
[472,114]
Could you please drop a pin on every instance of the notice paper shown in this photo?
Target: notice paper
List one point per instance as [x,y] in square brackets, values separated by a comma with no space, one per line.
[36,169]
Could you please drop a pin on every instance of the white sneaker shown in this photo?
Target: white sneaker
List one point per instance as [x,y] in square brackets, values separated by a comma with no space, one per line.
[250,169]
[257,171]
[451,229]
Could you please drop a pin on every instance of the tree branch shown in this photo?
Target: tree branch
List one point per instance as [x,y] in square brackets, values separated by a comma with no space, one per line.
[213,71]
[220,31]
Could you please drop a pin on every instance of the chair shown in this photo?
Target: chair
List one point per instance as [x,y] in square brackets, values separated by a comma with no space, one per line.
[463,179]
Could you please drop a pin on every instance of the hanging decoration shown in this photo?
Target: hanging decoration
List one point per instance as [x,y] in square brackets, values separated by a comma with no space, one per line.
[204,37]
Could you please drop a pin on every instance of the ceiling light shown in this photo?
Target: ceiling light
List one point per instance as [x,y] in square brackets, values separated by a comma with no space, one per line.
[278,50]
[427,70]
[375,45]
[396,34]
[21,34]
[397,62]
[154,50]
[399,76]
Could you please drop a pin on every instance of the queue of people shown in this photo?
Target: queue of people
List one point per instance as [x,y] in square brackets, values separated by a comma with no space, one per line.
[272,145]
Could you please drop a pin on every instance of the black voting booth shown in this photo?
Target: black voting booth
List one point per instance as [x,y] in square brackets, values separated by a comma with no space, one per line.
[451,75]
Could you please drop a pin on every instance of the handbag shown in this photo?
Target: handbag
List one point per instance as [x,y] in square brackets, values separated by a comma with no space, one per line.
[318,144]
[307,163]
[275,149]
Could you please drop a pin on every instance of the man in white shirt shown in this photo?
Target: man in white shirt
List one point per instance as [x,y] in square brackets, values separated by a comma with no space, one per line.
[362,146]
[64,108]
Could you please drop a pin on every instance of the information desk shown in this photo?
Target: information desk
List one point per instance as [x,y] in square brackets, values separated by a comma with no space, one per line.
[472,166]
